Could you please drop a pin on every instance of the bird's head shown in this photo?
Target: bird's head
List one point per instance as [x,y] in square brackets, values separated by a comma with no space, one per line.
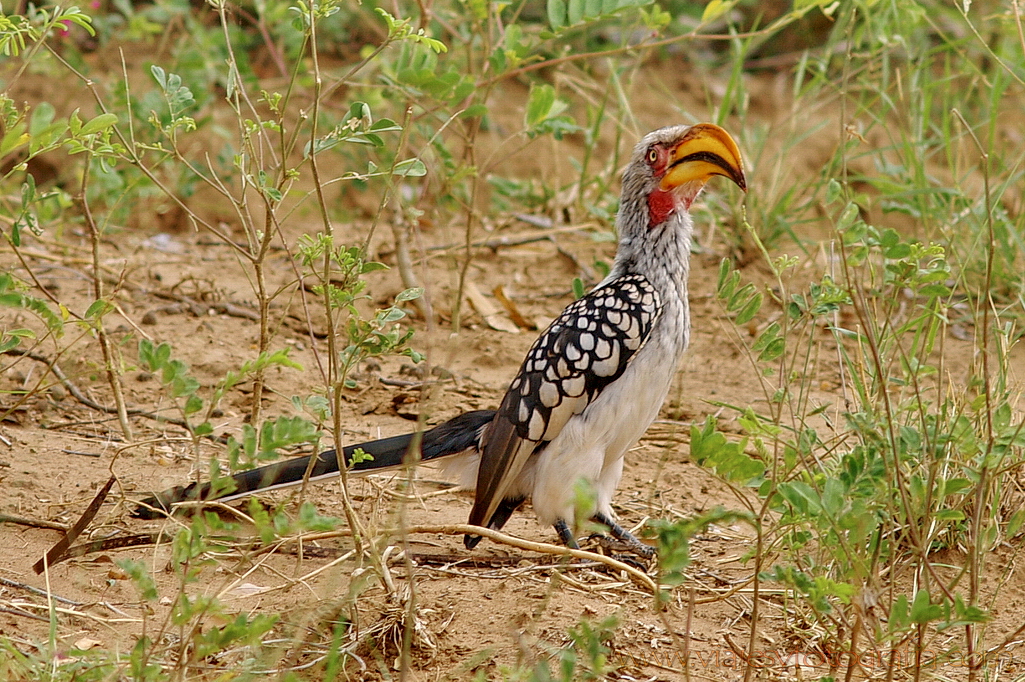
[671,165]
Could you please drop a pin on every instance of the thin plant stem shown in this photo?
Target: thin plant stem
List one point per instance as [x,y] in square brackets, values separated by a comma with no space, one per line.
[975,558]
[110,367]
[335,375]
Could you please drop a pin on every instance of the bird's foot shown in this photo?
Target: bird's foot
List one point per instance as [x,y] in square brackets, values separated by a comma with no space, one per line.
[621,545]
[624,551]
[629,541]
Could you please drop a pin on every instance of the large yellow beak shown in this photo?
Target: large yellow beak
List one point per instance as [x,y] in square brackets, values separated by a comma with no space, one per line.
[705,150]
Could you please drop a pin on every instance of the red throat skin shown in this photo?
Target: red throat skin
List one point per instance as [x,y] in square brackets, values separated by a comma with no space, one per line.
[661,205]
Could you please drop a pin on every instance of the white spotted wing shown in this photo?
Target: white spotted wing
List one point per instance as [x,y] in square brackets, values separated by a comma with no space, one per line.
[584,350]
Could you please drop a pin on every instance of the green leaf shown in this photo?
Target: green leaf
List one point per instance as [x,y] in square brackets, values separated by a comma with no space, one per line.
[279,433]
[674,541]
[749,310]
[146,353]
[410,168]
[889,238]
[724,272]
[14,138]
[935,291]
[834,190]
[98,124]
[539,103]
[800,496]
[728,286]
[28,190]
[372,266]
[740,297]
[98,309]
[833,497]
[74,15]
[15,299]
[773,350]
[1014,523]
[898,251]
[963,615]
[575,11]
[138,573]
[11,338]
[392,315]
[923,611]
[44,132]
[160,75]
[310,520]
[847,218]
[715,9]
[410,294]
[193,403]
[162,355]
[384,125]
[557,13]
[42,117]
[766,337]
[899,619]
[709,448]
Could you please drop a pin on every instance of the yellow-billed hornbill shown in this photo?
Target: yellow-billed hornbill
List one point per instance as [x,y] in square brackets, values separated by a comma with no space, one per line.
[590,385]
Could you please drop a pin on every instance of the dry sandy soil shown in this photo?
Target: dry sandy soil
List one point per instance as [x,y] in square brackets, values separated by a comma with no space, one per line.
[479,610]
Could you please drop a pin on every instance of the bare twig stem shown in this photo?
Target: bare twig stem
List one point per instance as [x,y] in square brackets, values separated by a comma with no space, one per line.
[976,550]
[113,376]
[33,523]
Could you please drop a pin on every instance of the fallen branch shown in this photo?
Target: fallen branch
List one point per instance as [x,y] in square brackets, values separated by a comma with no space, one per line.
[495,243]
[35,590]
[495,536]
[34,523]
[24,614]
[636,575]
[539,547]
[201,309]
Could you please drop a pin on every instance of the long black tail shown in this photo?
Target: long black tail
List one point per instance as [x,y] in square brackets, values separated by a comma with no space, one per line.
[449,438]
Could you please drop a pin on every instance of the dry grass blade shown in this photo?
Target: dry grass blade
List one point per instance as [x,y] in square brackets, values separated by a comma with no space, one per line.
[57,552]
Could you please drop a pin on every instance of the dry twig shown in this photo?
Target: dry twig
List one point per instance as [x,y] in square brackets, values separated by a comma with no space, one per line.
[33,523]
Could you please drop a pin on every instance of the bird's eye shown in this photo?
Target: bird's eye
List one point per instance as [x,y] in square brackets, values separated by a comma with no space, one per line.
[652,156]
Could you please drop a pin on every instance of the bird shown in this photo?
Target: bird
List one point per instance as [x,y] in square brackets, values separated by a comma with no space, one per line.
[591,383]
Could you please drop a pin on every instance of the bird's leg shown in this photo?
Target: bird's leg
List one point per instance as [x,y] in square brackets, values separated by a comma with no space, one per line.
[633,545]
[625,536]
[565,534]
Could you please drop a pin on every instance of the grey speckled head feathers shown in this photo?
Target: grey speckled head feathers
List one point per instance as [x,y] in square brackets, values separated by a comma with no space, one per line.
[671,165]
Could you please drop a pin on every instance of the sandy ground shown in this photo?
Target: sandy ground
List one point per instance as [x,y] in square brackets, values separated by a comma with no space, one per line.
[479,610]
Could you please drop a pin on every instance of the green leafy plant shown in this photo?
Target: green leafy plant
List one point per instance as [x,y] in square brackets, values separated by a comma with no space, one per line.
[910,472]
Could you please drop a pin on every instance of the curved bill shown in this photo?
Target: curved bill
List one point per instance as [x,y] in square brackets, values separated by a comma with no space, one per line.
[705,150]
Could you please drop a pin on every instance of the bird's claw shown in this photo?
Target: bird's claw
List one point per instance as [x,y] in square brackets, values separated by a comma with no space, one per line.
[634,553]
